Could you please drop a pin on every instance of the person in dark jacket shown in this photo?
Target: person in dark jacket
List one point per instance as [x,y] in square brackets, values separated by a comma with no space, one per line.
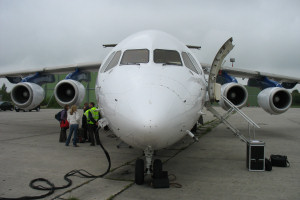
[84,125]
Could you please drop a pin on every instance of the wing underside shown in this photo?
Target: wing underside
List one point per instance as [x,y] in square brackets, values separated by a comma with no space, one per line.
[251,74]
[86,67]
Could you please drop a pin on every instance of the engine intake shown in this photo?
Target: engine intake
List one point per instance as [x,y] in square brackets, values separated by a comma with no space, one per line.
[275,100]
[236,93]
[27,95]
[69,92]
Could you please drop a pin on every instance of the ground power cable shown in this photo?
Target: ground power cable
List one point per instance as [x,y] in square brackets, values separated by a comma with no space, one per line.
[51,188]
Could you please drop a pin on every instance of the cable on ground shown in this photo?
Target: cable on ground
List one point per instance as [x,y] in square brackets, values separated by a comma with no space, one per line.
[51,188]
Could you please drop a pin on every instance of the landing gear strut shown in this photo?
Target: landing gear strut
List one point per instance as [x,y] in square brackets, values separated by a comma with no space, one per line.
[148,154]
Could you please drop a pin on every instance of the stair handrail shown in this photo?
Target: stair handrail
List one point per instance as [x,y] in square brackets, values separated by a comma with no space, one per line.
[240,112]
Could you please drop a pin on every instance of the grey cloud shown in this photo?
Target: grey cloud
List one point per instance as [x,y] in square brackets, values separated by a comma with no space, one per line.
[51,32]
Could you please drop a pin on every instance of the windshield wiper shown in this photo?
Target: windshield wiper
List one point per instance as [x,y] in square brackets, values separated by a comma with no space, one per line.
[171,63]
[130,64]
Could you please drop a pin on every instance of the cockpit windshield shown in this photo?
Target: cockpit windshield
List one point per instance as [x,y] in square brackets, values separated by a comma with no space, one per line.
[135,57]
[167,57]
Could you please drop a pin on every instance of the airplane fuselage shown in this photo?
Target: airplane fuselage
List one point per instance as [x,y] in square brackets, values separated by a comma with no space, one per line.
[151,90]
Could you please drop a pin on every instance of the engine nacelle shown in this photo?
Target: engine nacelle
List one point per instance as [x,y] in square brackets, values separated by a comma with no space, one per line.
[69,92]
[27,95]
[234,92]
[274,100]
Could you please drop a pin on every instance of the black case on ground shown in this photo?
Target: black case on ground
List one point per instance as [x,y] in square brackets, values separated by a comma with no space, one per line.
[255,155]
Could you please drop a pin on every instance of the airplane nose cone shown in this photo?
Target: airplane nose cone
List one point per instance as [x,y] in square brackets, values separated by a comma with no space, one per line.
[151,106]
[155,112]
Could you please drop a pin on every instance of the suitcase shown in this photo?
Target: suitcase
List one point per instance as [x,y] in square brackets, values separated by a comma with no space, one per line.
[255,155]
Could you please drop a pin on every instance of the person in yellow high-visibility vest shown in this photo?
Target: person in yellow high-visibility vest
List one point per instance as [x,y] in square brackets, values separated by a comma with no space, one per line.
[92,116]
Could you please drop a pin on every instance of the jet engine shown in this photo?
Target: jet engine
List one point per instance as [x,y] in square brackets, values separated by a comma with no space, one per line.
[234,92]
[274,100]
[69,92]
[27,95]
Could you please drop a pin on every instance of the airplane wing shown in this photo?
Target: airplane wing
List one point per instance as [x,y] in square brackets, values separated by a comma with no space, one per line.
[86,67]
[245,73]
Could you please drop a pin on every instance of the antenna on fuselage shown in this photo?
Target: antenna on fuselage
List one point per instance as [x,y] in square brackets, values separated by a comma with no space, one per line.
[109,45]
[193,47]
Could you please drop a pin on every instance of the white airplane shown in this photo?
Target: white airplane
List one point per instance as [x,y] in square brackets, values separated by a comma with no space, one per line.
[151,90]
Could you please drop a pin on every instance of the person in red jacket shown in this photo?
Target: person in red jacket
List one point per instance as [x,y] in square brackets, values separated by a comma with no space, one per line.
[64,125]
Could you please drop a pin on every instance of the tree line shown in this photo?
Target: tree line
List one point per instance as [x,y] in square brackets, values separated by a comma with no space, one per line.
[4,94]
[296,98]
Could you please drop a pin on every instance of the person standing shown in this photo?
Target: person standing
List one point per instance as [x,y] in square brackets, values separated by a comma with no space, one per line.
[64,125]
[84,125]
[73,118]
[93,115]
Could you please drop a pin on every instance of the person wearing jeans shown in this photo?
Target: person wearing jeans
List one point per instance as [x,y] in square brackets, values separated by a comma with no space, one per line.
[73,119]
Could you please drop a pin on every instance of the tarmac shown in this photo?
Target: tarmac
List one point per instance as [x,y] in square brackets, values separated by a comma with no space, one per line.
[213,168]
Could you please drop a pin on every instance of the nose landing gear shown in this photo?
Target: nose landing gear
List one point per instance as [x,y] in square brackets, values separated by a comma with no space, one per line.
[159,178]
[139,166]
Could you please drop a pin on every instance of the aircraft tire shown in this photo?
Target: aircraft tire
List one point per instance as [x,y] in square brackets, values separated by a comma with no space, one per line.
[139,172]
[157,168]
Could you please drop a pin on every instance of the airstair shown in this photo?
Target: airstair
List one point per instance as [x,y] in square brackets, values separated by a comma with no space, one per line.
[214,94]
[233,109]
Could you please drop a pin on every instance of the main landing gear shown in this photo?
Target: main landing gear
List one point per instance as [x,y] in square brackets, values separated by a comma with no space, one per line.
[160,178]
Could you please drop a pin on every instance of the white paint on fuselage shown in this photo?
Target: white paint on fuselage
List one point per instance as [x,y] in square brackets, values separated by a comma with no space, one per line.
[150,104]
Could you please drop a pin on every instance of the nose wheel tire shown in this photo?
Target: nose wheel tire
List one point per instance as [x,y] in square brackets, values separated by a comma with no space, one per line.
[139,172]
[157,168]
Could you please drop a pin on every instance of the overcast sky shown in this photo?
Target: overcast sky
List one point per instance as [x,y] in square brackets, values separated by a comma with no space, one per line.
[38,33]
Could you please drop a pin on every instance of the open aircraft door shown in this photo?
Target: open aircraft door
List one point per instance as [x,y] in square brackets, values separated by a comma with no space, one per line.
[214,89]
